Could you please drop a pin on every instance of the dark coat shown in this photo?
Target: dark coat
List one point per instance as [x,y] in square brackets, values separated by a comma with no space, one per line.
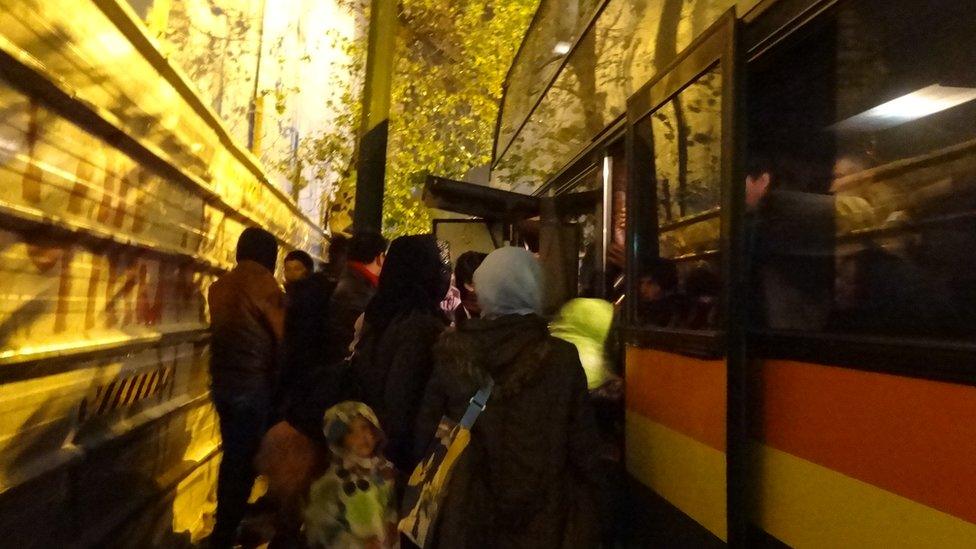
[307,305]
[348,302]
[392,368]
[246,324]
[530,474]
[305,380]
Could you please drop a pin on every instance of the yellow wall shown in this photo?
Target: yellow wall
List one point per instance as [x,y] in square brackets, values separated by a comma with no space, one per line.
[106,252]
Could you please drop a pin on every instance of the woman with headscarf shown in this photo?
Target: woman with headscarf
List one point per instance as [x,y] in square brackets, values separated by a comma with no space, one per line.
[529,475]
[402,322]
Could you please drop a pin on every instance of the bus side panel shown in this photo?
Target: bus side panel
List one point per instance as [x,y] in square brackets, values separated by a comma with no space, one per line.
[852,458]
[675,432]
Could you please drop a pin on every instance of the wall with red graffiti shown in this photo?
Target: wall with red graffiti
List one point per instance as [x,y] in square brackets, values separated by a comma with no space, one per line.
[121,199]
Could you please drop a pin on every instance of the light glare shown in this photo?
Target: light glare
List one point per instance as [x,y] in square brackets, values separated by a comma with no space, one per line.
[562,48]
[918,104]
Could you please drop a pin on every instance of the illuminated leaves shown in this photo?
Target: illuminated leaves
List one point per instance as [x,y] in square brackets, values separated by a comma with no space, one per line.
[452,57]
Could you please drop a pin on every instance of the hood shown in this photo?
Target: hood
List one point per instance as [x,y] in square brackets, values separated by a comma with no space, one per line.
[581,318]
[506,348]
[337,419]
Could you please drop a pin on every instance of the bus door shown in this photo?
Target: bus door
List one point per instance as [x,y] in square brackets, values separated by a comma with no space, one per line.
[457,236]
[683,355]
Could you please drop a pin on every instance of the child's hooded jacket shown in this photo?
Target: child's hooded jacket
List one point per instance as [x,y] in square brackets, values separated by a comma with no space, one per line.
[354,503]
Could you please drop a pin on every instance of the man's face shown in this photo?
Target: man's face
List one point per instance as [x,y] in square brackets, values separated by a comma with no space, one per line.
[843,167]
[471,299]
[649,289]
[295,271]
[756,189]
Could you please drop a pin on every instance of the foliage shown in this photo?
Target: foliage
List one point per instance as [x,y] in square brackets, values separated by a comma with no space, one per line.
[218,55]
[451,60]
[452,57]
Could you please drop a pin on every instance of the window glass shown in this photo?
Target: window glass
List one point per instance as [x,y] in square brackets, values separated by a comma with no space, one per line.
[679,286]
[556,28]
[629,43]
[616,232]
[862,178]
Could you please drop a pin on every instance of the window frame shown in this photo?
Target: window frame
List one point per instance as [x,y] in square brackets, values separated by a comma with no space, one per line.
[770,26]
[714,48]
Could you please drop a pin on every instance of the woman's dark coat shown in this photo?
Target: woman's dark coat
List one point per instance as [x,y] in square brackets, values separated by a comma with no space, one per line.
[529,476]
[392,368]
[394,358]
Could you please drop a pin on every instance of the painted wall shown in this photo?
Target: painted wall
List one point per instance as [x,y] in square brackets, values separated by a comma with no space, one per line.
[121,199]
[295,51]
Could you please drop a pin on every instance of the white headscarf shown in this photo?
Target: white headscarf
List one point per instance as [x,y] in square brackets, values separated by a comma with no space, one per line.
[509,282]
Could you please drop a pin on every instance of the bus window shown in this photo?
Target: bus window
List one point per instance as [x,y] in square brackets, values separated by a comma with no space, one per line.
[616,224]
[679,287]
[864,130]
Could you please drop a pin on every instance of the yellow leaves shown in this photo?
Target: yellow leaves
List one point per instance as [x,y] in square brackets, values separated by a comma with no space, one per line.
[446,105]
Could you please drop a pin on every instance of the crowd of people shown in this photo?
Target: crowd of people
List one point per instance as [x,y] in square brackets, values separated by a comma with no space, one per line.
[333,389]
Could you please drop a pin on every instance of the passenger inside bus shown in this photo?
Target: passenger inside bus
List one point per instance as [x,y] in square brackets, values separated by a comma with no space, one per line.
[872,231]
[660,303]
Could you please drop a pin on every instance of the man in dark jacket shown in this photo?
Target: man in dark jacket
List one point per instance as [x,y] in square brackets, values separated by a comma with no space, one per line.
[356,287]
[307,305]
[298,266]
[464,270]
[246,324]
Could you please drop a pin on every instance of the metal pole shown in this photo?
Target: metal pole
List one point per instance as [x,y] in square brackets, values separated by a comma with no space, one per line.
[371,164]
[256,111]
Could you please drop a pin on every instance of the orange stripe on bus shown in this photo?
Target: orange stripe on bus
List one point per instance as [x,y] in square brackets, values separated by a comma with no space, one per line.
[913,437]
[683,393]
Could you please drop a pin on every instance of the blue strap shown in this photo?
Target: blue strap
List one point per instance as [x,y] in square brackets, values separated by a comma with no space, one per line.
[477,405]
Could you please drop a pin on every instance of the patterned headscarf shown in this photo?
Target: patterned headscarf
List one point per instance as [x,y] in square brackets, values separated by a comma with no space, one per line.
[338,419]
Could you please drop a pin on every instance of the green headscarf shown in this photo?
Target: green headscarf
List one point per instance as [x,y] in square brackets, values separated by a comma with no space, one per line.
[586,324]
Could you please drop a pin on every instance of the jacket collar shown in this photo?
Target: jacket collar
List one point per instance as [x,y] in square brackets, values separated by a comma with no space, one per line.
[363,271]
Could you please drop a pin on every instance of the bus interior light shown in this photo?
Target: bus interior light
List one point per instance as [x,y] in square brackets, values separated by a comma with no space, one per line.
[562,47]
[913,106]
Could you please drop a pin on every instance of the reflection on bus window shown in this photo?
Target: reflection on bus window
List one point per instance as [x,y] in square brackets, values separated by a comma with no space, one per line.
[866,125]
[680,287]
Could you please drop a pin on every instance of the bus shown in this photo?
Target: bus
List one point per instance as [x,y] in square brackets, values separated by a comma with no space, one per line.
[782,201]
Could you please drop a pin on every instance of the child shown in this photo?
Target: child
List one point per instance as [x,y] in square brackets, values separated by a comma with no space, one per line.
[354,503]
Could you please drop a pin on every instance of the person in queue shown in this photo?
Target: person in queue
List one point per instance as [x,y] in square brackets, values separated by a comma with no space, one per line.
[288,456]
[529,475]
[354,503]
[464,270]
[307,300]
[356,287]
[394,358]
[298,266]
[338,254]
[246,324]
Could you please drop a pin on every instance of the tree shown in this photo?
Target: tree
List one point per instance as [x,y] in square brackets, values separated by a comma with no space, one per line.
[451,60]
[452,57]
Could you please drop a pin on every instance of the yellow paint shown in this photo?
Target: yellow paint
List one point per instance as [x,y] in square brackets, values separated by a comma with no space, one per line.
[194,503]
[687,473]
[806,505]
